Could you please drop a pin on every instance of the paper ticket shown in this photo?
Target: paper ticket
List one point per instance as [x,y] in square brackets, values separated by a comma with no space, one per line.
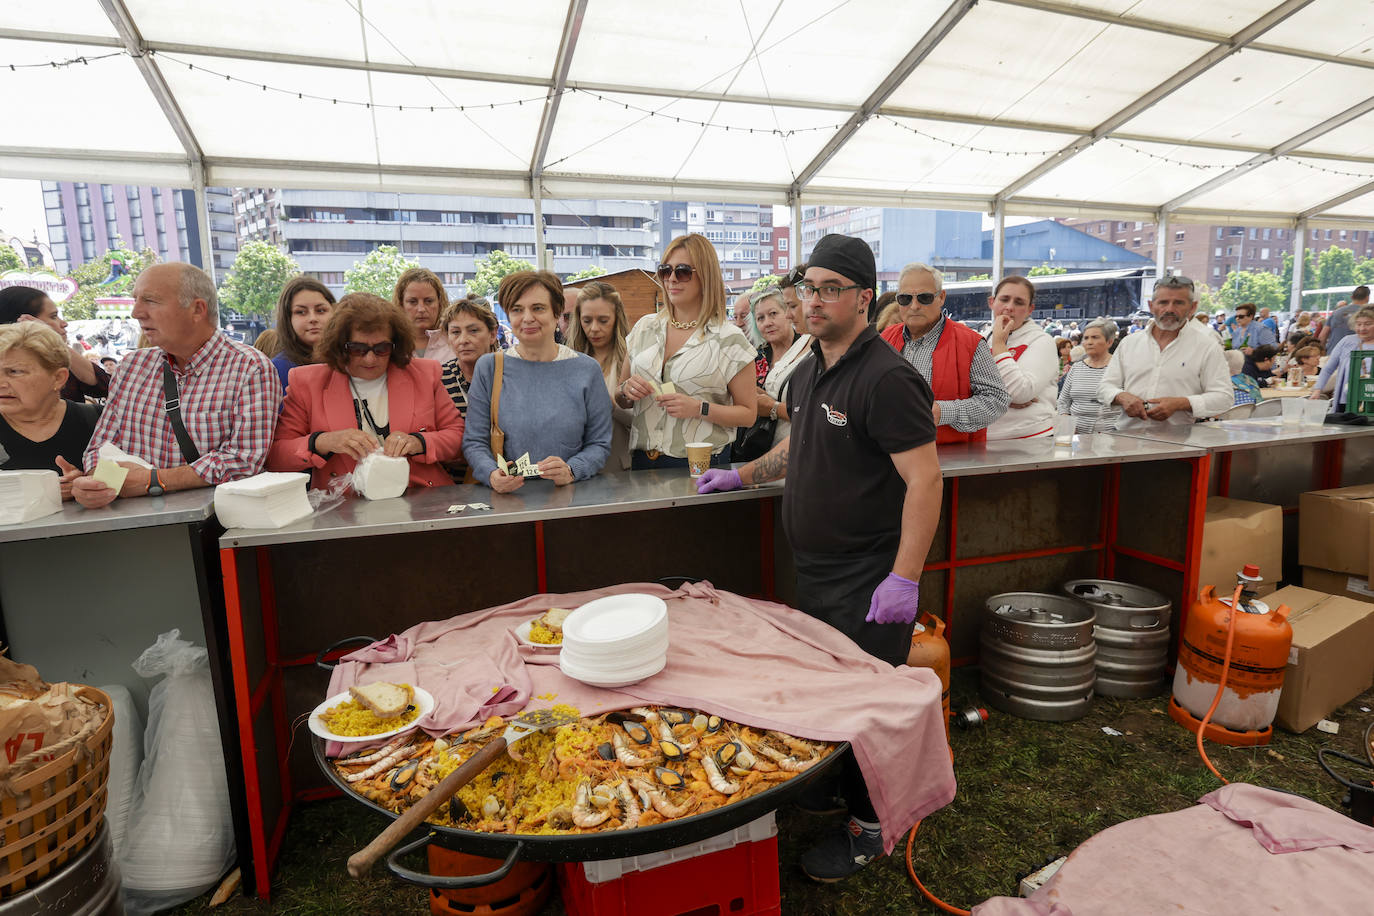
[110,474]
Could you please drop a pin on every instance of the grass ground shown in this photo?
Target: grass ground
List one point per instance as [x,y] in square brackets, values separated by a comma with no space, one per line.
[1028,792]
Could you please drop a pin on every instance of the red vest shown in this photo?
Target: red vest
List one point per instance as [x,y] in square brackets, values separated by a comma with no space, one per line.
[949,369]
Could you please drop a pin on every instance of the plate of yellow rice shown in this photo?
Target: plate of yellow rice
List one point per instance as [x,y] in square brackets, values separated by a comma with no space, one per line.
[535,633]
[342,718]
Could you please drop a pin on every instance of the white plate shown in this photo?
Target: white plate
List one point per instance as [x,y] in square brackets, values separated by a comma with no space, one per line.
[614,618]
[614,679]
[423,699]
[522,636]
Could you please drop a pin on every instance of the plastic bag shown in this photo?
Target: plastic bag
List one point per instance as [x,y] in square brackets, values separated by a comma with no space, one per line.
[180,838]
[126,756]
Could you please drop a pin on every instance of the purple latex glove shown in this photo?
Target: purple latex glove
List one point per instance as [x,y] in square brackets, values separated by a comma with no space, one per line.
[718,480]
[894,600]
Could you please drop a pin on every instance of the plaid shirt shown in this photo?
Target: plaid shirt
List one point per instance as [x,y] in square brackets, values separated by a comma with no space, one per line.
[987,399]
[230,394]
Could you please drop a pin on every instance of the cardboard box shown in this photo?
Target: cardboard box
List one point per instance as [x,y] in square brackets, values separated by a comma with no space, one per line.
[1333,529]
[1332,657]
[1238,532]
[1337,583]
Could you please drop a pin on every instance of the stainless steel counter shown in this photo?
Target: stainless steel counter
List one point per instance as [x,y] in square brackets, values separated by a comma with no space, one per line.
[1234,435]
[1040,454]
[181,508]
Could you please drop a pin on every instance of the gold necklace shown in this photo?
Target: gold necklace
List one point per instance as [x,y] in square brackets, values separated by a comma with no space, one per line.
[683,325]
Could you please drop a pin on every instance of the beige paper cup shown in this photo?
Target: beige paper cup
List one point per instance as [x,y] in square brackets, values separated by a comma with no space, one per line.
[698,458]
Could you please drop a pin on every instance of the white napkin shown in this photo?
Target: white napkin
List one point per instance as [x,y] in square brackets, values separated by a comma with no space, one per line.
[380,477]
[270,500]
[27,495]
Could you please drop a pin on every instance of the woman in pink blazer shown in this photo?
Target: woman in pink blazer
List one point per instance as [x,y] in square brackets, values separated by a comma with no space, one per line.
[366,392]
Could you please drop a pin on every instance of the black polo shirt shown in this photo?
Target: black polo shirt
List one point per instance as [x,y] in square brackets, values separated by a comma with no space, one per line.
[843,494]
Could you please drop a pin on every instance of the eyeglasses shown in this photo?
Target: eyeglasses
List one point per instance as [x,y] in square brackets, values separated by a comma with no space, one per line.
[681,272]
[904,299]
[828,292]
[355,348]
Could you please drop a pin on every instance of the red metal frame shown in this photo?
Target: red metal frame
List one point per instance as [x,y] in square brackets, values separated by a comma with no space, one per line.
[541,568]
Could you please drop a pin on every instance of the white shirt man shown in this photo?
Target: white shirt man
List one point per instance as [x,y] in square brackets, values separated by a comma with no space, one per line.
[1173,372]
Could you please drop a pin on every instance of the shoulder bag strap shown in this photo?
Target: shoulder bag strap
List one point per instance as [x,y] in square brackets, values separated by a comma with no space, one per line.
[498,436]
[171,403]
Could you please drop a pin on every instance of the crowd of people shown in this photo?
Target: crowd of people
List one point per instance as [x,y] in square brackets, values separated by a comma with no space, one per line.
[803,382]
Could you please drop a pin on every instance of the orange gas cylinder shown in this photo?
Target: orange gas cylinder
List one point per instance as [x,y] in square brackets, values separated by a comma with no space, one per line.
[929,650]
[522,892]
[1259,653]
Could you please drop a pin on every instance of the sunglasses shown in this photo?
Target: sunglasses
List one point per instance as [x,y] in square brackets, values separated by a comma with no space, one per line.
[354,348]
[681,272]
[904,299]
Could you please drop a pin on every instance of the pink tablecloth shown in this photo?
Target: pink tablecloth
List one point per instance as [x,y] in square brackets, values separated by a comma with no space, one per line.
[756,662]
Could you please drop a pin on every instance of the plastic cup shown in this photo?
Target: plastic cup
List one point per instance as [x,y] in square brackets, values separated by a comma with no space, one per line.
[1064,428]
[1314,412]
[698,458]
[1293,409]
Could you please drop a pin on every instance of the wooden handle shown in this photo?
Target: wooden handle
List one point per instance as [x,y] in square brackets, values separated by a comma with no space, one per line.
[361,862]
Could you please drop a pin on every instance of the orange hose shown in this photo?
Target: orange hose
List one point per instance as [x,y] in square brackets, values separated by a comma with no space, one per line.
[1221,684]
[911,839]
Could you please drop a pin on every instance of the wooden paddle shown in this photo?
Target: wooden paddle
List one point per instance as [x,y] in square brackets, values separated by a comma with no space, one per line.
[527,723]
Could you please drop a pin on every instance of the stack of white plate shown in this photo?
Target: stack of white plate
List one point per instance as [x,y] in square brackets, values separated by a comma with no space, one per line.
[614,641]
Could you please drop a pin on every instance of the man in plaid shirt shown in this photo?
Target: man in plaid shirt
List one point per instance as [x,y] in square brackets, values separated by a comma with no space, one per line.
[229,395]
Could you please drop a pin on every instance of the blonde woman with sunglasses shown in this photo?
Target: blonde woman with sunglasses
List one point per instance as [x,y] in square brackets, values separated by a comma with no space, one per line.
[690,372]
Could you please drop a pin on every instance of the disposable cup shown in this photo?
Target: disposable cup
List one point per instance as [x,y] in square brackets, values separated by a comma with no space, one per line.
[698,458]
[1064,429]
[1314,412]
[1293,410]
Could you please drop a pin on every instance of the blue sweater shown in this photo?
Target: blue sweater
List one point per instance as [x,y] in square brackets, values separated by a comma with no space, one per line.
[558,408]
[283,365]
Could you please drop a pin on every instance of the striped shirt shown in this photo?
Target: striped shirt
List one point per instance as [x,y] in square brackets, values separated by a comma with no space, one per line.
[1078,399]
[229,399]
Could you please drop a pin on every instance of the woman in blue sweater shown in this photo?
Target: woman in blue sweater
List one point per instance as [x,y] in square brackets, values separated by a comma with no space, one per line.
[553,405]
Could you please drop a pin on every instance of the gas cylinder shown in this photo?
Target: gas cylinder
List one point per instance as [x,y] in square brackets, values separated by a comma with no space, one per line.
[929,650]
[1259,653]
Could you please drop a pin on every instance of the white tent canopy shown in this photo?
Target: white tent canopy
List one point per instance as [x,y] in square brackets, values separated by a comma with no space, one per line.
[1239,110]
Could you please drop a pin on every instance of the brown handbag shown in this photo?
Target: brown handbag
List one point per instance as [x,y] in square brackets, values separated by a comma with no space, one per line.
[498,436]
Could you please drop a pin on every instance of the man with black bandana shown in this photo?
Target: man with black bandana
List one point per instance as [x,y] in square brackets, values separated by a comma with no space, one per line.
[863,493]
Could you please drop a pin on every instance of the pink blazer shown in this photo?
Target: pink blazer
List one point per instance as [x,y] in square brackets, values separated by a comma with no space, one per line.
[318,399]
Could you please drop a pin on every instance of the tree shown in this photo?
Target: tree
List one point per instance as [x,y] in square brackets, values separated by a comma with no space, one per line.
[378,272]
[585,273]
[1045,270]
[10,260]
[979,277]
[97,279]
[1336,267]
[260,271]
[1206,299]
[492,269]
[765,281]
[1364,271]
[1263,289]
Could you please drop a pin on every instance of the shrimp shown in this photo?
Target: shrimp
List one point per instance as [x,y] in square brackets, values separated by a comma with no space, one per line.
[383,765]
[583,814]
[628,757]
[383,751]
[791,764]
[660,801]
[717,779]
[631,803]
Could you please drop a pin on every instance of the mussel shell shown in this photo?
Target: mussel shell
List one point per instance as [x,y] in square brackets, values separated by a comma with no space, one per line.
[713,724]
[675,716]
[672,750]
[637,732]
[605,751]
[670,778]
[404,775]
[727,754]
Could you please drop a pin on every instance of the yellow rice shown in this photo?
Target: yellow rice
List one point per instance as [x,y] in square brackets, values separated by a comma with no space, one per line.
[545,635]
[352,719]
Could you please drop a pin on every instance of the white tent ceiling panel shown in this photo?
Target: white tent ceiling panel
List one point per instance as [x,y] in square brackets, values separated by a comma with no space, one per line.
[513,37]
[1344,28]
[66,104]
[72,17]
[1284,185]
[1224,17]
[108,168]
[1362,207]
[307,175]
[1353,139]
[885,155]
[602,136]
[791,49]
[1132,172]
[1062,84]
[1257,99]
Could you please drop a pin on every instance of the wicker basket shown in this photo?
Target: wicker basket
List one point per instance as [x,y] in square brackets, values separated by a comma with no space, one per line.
[50,813]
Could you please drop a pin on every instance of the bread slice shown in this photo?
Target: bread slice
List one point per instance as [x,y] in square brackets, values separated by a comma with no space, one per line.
[386,701]
[553,618]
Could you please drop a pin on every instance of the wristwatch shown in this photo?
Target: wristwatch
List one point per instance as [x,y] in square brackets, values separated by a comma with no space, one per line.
[155,487]
[773,413]
[705,408]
